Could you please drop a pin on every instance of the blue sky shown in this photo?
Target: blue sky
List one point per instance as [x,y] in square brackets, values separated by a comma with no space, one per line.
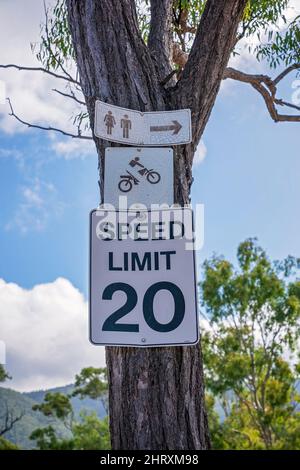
[36,252]
[248,182]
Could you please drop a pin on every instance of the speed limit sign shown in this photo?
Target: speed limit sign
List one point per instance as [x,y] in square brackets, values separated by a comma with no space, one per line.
[142,278]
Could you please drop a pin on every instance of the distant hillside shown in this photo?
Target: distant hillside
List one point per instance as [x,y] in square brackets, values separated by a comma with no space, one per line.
[23,402]
[34,419]
[31,420]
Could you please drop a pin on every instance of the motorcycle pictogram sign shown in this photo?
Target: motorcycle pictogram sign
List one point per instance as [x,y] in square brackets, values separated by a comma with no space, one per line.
[143,175]
[128,180]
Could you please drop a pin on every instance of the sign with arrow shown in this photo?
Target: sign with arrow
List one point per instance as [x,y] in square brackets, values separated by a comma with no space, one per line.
[176,126]
[132,127]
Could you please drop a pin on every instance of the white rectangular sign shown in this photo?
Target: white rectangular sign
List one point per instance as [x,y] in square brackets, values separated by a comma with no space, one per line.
[143,175]
[142,288]
[136,128]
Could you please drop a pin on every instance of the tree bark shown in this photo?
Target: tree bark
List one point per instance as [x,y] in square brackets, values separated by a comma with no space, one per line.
[160,36]
[156,395]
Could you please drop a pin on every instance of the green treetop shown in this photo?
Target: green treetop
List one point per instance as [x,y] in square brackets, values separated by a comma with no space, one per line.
[251,349]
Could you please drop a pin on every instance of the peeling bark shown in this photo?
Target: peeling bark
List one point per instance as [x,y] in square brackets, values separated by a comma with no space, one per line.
[156,394]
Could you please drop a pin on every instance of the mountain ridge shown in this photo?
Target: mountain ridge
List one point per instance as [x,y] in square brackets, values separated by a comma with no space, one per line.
[22,402]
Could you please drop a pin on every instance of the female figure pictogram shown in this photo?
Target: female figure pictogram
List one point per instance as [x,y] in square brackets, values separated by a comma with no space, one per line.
[109,122]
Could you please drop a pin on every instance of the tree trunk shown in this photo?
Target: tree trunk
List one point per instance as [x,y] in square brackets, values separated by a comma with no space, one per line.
[156,395]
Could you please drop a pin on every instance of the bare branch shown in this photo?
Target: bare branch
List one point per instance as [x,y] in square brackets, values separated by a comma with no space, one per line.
[49,128]
[168,78]
[248,78]
[245,25]
[286,72]
[39,69]
[267,88]
[10,420]
[71,95]
[281,102]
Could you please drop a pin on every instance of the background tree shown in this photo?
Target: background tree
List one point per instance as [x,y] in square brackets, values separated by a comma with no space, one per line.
[92,382]
[8,417]
[3,374]
[251,349]
[152,56]
[86,432]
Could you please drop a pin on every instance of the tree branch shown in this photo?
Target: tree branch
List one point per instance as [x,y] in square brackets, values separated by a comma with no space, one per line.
[285,73]
[71,95]
[160,35]
[267,88]
[281,102]
[130,79]
[39,69]
[200,81]
[49,128]
[235,74]
[10,420]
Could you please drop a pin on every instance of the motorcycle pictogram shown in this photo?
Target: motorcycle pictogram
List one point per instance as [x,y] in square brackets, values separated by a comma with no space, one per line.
[127,181]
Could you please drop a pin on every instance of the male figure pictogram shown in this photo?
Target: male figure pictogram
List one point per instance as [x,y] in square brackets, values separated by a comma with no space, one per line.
[126,126]
[109,122]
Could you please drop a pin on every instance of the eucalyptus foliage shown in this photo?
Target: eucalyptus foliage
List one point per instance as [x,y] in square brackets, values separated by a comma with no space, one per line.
[251,349]
[262,19]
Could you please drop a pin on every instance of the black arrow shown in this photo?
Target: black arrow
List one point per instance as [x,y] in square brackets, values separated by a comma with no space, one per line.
[176,126]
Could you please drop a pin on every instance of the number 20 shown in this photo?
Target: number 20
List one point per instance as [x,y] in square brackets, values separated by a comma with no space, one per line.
[111,324]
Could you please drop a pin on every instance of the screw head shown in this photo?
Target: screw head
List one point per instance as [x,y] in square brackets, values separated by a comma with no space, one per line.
[142,216]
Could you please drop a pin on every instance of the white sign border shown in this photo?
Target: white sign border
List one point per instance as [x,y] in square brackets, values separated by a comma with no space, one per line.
[139,144]
[90,293]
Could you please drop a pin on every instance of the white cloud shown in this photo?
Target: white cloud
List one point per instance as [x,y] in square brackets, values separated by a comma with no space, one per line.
[30,92]
[38,202]
[10,153]
[32,197]
[2,352]
[292,11]
[74,148]
[45,330]
[200,153]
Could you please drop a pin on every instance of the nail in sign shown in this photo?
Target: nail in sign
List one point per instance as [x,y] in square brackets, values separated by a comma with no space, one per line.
[132,127]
